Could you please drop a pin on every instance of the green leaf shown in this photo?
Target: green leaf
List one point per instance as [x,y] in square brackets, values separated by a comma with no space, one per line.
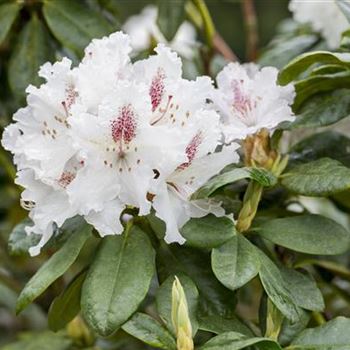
[321,177]
[290,330]
[214,298]
[218,324]
[74,24]
[283,51]
[8,14]
[236,341]
[277,289]
[304,290]
[325,144]
[316,84]
[332,266]
[171,14]
[32,49]
[311,234]
[236,262]
[67,305]
[117,281]
[19,241]
[55,267]
[301,63]
[148,330]
[323,109]
[208,232]
[260,175]
[164,301]
[333,335]
[40,341]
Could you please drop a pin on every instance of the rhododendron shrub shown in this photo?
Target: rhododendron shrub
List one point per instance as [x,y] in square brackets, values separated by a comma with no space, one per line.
[178,213]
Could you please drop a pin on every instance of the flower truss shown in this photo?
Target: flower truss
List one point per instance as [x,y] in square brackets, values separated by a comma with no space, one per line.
[324,17]
[111,134]
[142,28]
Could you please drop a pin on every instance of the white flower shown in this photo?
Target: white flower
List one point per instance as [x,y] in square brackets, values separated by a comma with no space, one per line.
[109,135]
[40,136]
[47,207]
[249,99]
[142,28]
[182,105]
[324,17]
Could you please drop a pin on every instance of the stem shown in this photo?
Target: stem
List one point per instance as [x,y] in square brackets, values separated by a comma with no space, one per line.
[251,28]
[250,206]
[208,24]
[221,47]
[319,318]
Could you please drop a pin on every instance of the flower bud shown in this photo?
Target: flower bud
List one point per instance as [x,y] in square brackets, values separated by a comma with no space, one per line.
[180,318]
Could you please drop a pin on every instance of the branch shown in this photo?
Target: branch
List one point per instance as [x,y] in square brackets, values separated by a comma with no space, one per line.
[251,28]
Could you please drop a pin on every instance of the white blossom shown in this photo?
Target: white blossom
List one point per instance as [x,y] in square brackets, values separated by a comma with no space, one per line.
[324,17]
[143,28]
[111,134]
[249,99]
[182,105]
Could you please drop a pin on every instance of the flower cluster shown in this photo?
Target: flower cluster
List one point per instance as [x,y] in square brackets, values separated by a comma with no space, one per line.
[324,17]
[111,134]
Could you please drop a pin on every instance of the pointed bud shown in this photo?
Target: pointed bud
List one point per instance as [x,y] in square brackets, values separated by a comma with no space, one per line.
[180,317]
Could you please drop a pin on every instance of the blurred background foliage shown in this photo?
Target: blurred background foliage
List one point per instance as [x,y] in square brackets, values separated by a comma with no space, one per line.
[35,31]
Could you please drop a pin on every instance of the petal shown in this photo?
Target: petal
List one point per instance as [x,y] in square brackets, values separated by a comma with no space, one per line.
[107,221]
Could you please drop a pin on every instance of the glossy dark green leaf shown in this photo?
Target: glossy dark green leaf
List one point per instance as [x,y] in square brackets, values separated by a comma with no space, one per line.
[237,341]
[323,109]
[8,14]
[164,301]
[329,144]
[148,330]
[316,84]
[236,262]
[32,49]
[304,290]
[311,234]
[301,63]
[277,289]
[74,24]
[67,305]
[53,268]
[259,175]
[171,14]
[333,335]
[321,177]
[214,298]
[117,281]
[218,324]
[19,241]
[208,232]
